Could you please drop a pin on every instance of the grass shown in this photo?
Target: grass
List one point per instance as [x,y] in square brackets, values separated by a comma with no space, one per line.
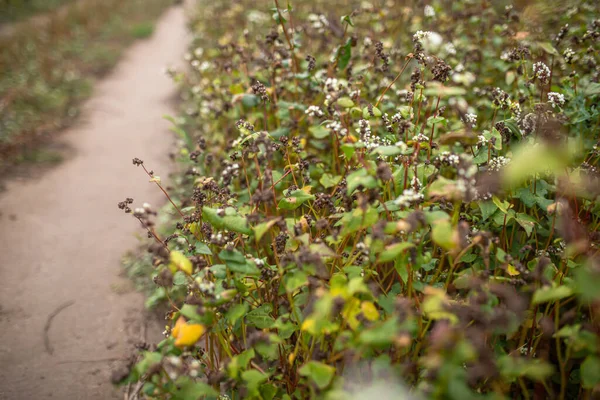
[142,30]
[48,70]
[16,10]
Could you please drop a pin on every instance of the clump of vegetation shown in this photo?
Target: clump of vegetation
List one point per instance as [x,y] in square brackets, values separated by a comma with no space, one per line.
[397,201]
[47,66]
[15,10]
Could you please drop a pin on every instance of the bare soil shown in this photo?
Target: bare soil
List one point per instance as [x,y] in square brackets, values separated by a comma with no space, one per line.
[68,318]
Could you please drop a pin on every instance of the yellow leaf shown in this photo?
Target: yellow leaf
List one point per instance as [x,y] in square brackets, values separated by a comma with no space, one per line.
[180,262]
[435,303]
[512,271]
[350,311]
[308,324]
[189,334]
[369,310]
[177,327]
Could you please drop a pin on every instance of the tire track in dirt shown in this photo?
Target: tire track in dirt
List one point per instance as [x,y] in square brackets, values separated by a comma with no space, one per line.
[64,324]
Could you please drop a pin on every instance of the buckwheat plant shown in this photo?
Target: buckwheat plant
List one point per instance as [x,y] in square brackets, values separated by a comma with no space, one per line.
[382,198]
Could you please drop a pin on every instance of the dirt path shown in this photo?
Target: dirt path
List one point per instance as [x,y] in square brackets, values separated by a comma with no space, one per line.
[64,310]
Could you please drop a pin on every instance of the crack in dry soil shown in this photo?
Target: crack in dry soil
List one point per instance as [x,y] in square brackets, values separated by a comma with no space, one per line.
[62,249]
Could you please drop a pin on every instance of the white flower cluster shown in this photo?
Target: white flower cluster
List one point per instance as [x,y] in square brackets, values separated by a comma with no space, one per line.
[556,99]
[355,94]
[408,197]
[362,247]
[367,138]
[482,141]
[420,35]
[471,119]
[420,138]
[231,169]
[569,55]
[206,287]
[450,49]
[336,127]
[541,71]
[416,183]
[331,89]
[515,109]
[141,211]
[497,163]
[429,11]
[318,22]
[449,159]
[314,111]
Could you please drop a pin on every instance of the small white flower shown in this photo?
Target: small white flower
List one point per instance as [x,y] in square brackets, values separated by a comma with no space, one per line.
[450,49]
[408,197]
[556,100]
[541,71]
[497,163]
[569,55]
[314,111]
[420,138]
[429,11]
[471,119]
[420,35]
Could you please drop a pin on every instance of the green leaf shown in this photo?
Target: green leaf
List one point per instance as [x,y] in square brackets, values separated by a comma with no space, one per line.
[548,48]
[590,371]
[295,279]
[190,312]
[502,205]
[434,89]
[347,19]
[367,115]
[443,234]
[250,100]
[202,248]
[295,200]
[230,220]
[149,359]
[254,378]
[328,180]
[487,209]
[348,149]
[186,389]
[527,222]
[319,132]
[393,251]
[388,151]
[360,178]
[321,374]
[382,334]
[261,229]
[345,102]
[260,317]
[344,54]
[592,89]
[514,367]
[236,262]
[236,312]
[358,219]
[546,294]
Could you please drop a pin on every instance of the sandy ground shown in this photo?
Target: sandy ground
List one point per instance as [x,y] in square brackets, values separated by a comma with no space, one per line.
[66,315]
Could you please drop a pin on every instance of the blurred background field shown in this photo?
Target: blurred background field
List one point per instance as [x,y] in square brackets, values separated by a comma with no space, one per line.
[50,53]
